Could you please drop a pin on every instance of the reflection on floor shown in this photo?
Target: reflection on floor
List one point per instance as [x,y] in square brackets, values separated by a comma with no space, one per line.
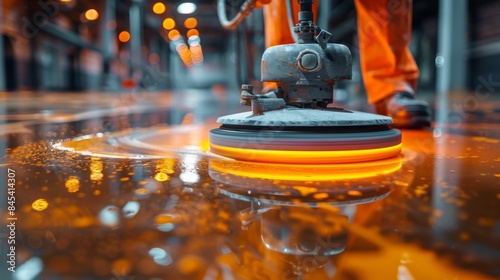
[113,187]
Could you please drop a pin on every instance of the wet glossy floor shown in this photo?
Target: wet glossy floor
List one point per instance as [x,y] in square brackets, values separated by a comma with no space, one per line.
[113,187]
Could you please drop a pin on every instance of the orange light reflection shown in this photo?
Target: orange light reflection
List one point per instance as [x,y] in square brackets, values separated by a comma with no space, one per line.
[72,184]
[40,204]
[316,172]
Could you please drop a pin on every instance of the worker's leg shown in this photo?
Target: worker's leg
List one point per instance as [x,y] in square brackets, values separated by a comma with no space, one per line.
[387,66]
[277,29]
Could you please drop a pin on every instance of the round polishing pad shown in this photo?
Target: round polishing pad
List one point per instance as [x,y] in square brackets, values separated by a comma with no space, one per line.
[306,136]
[297,117]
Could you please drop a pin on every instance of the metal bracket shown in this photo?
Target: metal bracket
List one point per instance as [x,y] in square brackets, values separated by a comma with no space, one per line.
[261,105]
[323,37]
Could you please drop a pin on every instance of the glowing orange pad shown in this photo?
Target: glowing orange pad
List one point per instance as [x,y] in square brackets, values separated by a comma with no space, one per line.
[307,157]
[316,172]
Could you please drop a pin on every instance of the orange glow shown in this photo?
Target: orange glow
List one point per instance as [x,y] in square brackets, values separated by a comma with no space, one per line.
[128,83]
[91,14]
[307,157]
[168,23]
[96,167]
[166,166]
[124,36]
[307,172]
[174,34]
[192,32]
[160,177]
[163,168]
[96,176]
[166,219]
[40,204]
[72,184]
[121,267]
[159,8]
[190,23]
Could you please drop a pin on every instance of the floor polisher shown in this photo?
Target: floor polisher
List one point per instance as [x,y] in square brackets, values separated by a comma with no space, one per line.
[293,123]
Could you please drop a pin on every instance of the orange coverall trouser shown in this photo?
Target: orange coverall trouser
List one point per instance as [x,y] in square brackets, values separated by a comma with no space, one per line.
[384,31]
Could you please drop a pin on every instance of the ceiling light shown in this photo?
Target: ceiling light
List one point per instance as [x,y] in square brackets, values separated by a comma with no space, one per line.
[124,36]
[186,8]
[192,32]
[159,8]
[168,23]
[174,35]
[190,23]
[91,14]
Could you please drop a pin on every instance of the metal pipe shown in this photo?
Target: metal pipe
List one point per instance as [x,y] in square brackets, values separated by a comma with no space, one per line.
[452,43]
[108,34]
[2,56]
[69,37]
[108,81]
[291,24]
[245,10]
[135,38]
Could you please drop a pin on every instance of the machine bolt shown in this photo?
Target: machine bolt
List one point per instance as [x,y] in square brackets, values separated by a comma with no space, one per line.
[246,94]
[247,87]
[309,61]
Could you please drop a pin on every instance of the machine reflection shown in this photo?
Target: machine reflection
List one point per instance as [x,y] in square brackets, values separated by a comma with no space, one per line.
[303,224]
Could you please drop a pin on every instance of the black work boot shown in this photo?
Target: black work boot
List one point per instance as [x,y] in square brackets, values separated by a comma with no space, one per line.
[405,110]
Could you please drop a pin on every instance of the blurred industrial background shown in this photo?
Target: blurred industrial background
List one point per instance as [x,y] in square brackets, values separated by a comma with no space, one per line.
[112,45]
[106,108]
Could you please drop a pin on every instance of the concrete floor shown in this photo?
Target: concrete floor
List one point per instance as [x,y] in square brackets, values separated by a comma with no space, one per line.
[121,186]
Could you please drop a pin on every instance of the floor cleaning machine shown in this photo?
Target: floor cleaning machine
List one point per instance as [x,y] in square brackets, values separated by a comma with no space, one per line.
[293,123]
